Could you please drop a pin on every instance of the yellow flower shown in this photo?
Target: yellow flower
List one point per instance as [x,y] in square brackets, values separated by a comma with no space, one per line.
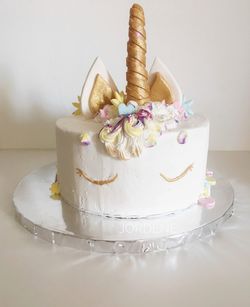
[77,105]
[119,98]
[55,190]
[85,138]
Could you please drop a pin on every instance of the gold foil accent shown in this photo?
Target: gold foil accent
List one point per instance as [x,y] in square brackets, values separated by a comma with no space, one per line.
[160,90]
[137,76]
[184,173]
[95,181]
[101,94]
[77,105]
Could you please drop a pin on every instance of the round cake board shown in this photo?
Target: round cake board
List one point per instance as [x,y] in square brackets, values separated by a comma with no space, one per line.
[61,224]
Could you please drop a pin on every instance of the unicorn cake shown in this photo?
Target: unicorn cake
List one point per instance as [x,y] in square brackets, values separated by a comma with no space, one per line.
[131,154]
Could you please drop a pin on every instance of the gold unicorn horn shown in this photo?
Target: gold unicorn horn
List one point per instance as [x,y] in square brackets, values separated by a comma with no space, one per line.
[137,76]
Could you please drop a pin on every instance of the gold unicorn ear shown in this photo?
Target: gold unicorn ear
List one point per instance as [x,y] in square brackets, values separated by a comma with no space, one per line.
[160,90]
[101,94]
[163,85]
[98,89]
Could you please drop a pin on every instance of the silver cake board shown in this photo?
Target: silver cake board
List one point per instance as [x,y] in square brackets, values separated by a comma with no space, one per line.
[61,224]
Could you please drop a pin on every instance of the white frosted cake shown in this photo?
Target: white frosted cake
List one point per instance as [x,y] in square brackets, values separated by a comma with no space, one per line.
[136,154]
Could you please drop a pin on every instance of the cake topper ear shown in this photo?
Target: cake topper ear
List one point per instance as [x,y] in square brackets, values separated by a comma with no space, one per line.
[98,89]
[163,85]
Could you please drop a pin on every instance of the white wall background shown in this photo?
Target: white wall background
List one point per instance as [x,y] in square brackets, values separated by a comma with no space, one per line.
[47,47]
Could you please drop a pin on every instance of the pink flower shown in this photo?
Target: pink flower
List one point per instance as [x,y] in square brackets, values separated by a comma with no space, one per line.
[181,111]
[108,111]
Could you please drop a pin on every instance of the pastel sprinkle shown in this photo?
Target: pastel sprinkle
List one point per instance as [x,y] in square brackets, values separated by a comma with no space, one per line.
[209,173]
[108,112]
[211,181]
[182,137]
[208,183]
[207,192]
[85,138]
[207,202]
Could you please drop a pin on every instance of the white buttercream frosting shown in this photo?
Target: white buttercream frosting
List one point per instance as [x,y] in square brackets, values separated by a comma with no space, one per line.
[138,189]
[125,136]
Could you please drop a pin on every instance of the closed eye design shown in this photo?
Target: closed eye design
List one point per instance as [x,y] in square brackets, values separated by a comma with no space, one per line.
[82,174]
[183,174]
[95,181]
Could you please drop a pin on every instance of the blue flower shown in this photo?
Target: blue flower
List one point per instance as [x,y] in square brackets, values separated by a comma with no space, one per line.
[187,105]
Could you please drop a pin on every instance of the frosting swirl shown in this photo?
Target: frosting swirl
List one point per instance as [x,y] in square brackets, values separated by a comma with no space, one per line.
[125,136]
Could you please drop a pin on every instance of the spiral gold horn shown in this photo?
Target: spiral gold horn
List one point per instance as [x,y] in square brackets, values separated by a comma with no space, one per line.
[137,76]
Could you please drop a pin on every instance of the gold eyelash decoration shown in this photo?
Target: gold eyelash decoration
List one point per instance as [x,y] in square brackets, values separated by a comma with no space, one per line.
[94,181]
[184,173]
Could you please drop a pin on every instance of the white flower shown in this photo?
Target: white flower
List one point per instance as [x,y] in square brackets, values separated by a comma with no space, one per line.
[159,111]
[170,124]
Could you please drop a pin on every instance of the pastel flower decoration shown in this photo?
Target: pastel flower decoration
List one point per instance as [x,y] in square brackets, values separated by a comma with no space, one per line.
[119,98]
[209,182]
[126,132]
[187,105]
[209,173]
[161,111]
[77,105]
[108,111]
[143,115]
[180,110]
[210,178]
[206,190]
[151,133]
[182,137]
[207,202]
[127,109]
[170,124]
[55,190]
[85,138]
[149,106]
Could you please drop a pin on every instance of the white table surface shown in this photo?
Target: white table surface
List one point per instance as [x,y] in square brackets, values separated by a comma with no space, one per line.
[34,273]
